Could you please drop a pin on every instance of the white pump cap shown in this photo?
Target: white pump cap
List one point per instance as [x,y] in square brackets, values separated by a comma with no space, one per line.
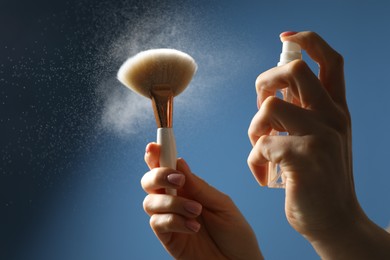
[291,51]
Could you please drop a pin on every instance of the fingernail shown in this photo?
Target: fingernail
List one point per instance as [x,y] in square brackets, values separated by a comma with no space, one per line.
[193,207]
[193,225]
[287,33]
[176,179]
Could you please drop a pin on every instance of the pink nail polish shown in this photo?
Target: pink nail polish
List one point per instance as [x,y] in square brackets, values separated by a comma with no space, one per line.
[176,179]
[287,33]
[193,207]
[192,225]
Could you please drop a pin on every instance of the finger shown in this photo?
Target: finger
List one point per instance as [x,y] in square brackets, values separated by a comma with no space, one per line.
[152,155]
[162,178]
[258,164]
[199,190]
[281,116]
[168,223]
[161,203]
[182,166]
[331,63]
[276,149]
[297,76]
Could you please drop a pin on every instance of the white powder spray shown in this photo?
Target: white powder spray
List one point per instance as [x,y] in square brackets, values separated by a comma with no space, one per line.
[125,113]
[165,25]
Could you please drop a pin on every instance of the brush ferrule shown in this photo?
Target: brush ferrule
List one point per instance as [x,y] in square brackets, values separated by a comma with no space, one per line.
[162,101]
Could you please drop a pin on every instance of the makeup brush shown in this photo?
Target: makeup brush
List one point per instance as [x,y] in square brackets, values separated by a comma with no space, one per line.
[160,74]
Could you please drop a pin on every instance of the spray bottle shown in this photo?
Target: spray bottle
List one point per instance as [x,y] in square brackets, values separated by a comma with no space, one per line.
[290,51]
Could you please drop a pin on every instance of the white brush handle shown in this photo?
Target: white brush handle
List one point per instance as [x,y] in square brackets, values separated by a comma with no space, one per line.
[168,154]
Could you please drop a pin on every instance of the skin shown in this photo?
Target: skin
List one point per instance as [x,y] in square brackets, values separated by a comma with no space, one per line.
[316,159]
[200,222]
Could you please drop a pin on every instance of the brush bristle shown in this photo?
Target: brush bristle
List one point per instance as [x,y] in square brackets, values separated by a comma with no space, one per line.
[157,67]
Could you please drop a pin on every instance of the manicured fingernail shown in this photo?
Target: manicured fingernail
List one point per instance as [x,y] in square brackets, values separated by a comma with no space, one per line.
[193,225]
[288,33]
[176,179]
[193,207]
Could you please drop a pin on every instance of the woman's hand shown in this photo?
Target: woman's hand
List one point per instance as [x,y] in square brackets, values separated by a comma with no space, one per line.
[200,222]
[316,156]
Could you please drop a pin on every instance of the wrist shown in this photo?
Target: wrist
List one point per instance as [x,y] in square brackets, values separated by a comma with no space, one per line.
[358,239]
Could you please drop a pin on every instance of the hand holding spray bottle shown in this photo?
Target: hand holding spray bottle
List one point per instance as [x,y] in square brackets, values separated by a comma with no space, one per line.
[290,51]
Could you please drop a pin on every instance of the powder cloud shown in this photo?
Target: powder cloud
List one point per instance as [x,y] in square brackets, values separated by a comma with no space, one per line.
[166,26]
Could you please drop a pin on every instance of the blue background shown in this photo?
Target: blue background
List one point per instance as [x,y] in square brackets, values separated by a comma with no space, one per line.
[72,138]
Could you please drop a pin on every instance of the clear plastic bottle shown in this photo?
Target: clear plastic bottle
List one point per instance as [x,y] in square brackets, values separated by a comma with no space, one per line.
[290,51]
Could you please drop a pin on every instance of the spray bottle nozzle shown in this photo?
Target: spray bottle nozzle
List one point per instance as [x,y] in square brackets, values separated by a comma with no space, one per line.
[290,51]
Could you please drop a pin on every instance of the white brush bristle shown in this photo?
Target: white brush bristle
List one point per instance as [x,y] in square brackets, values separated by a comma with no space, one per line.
[157,67]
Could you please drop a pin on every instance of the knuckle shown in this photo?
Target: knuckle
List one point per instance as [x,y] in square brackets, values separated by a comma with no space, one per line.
[250,159]
[258,83]
[265,147]
[167,222]
[253,133]
[333,56]
[147,204]
[335,59]
[143,181]
[263,83]
[311,35]
[344,122]
[338,59]
[169,219]
[329,140]
[298,67]
[340,120]
[259,152]
[269,105]
[226,198]
[260,123]
[154,221]
[150,179]
[251,130]
[153,203]
[310,39]
[162,223]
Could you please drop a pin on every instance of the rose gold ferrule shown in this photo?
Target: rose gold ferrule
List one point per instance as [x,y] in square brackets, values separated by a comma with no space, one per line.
[162,101]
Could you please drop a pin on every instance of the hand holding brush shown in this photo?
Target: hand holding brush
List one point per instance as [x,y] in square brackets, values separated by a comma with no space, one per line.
[160,74]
